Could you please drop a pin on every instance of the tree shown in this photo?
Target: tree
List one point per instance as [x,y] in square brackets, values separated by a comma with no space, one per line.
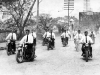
[19,10]
[45,20]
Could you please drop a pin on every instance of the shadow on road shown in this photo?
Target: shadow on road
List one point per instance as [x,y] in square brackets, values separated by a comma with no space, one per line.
[89,60]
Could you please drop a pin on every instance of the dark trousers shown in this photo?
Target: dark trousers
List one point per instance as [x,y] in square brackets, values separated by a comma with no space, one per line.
[34,43]
[66,39]
[29,48]
[52,42]
[10,45]
[62,39]
[45,40]
[83,49]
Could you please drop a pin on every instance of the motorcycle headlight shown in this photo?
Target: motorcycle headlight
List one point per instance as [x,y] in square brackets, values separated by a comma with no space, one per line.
[12,42]
[8,41]
[25,45]
[19,48]
[48,38]
[86,44]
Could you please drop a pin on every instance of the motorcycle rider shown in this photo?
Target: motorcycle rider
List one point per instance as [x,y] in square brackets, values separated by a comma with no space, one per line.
[86,39]
[65,35]
[46,34]
[28,40]
[11,37]
[52,36]
[33,33]
[77,39]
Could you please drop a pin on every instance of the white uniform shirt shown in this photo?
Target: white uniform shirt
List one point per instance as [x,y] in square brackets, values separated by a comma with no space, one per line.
[93,34]
[78,36]
[46,34]
[83,40]
[24,39]
[74,32]
[65,34]
[10,36]
[33,34]
[49,35]
[68,32]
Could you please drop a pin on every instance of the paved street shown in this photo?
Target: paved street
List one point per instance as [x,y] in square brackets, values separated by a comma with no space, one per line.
[60,61]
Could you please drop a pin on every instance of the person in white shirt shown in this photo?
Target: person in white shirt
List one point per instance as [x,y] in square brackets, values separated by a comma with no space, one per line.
[52,36]
[92,35]
[86,39]
[11,37]
[74,33]
[66,35]
[33,33]
[62,35]
[28,40]
[68,32]
[47,33]
[77,39]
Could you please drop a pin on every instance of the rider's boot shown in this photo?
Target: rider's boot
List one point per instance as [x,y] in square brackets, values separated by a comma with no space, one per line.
[83,53]
[35,56]
[91,52]
[91,55]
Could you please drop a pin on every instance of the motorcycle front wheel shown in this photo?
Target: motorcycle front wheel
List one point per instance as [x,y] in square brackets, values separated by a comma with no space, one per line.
[19,57]
[86,56]
[8,51]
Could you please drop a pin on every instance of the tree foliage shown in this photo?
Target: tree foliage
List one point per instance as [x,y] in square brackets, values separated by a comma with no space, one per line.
[45,20]
[19,10]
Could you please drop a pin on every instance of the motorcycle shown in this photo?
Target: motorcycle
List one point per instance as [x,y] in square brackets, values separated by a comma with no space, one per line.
[45,41]
[25,52]
[65,42]
[50,45]
[87,54]
[11,47]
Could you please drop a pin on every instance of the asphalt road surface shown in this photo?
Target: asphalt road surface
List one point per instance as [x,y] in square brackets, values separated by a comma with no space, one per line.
[60,61]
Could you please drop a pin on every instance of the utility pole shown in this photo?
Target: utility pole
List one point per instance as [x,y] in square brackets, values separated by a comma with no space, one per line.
[68,14]
[37,13]
[87,5]
[68,5]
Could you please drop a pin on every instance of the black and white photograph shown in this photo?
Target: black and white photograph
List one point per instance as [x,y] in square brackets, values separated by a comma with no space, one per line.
[49,37]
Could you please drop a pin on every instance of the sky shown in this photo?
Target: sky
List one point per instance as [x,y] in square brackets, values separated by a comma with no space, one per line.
[55,7]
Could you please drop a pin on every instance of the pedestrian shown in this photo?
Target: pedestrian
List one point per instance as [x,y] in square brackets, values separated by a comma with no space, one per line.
[68,32]
[77,39]
[92,35]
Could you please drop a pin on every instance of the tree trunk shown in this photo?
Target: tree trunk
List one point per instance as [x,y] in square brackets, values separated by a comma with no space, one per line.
[20,33]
